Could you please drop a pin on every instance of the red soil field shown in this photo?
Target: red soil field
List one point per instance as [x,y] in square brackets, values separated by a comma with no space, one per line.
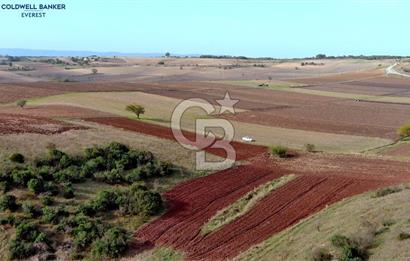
[243,150]
[193,203]
[15,124]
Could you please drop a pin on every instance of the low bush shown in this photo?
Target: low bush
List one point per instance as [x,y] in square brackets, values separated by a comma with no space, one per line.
[86,230]
[280,151]
[403,236]
[310,147]
[31,210]
[349,249]
[386,191]
[54,215]
[68,191]
[21,176]
[5,186]
[47,200]
[112,244]
[35,185]
[404,131]
[321,254]
[27,231]
[8,202]
[17,158]
[21,250]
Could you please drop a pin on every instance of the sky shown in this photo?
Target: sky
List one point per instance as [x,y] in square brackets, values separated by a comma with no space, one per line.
[258,28]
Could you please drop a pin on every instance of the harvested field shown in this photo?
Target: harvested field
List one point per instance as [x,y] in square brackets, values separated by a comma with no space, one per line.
[382,86]
[193,203]
[400,150]
[298,110]
[15,124]
[243,151]
[54,111]
[342,77]
[16,91]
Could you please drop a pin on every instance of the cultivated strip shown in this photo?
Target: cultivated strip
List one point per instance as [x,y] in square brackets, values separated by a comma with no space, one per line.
[244,204]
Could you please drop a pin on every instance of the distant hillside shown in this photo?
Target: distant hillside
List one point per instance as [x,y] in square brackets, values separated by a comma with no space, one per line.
[33,52]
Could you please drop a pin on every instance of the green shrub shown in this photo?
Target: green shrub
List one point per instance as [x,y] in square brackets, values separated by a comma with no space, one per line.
[21,176]
[86,231]
[106,200]
[386,191]
[86,209]
[31,210]
[404,131]
[350,249]
[70,174]
[5,186]
[27,231]
[51,188]
[47,200]
[53,215]
[279,151]
[8,202]
[138,200]
[68,191]
[46,173]
[35,185]
[21,250]
[403,236]
[114,176]
[17,158]
[112,244]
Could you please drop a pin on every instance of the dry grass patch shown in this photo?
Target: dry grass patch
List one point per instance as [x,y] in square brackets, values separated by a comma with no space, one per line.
[244,204]
[388,215]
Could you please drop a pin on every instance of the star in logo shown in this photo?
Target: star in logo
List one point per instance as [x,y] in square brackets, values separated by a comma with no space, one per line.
[227,104]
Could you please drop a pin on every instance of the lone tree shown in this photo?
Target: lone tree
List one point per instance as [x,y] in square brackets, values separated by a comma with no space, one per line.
[135,108]
[167,54]
[21,103]
[94,71]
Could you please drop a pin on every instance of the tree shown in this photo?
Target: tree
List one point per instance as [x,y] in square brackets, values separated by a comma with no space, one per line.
[136,109]
[94,71]
[167,54]
[321,56]
[21,103]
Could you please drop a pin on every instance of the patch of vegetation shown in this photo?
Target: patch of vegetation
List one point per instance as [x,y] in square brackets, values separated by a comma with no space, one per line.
[404,131]
[17,158]
[279,151]
[244,204]
[321,254]
[403,236]
[386,191]
[310,147]
[51,207]
[350,249]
